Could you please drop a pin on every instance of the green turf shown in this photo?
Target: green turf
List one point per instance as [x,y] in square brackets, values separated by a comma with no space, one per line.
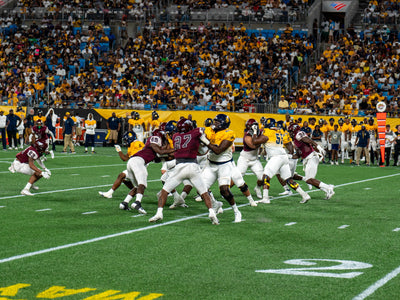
[185,257]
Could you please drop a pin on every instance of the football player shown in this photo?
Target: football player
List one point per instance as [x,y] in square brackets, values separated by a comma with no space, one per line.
[354,129]
[344,143]
[156,146]
[373,135]
[278,161]
[219,165]
[137,125]
[329,128]
[25,164]
[311,153]
[154,122]
[90,132]
[248,158]
[134,146]
[186,144]
[41,132]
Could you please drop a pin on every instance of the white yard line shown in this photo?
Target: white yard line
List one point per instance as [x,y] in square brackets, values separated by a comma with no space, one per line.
[290,224]
[70,168]
[44,209]
[30,254]
[343,226]
[381,282]
[67,190]
[89,212]
[396,229]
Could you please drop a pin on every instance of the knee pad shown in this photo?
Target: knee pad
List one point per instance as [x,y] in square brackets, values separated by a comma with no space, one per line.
[244,188]
[293,185]
[226,194]
[266,181]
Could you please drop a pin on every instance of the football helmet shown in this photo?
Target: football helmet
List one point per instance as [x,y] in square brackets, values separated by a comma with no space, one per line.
[39,124]
[262,120]
[129,137]
[162,126]
[353,122]
[208,122]
[293,129]
[184,125]
[280,124]
[269,123]
[341,121]
[250,123]
[371,121]
[159,133]
[40,146]
[135,115]
[321,122]
[170,127]
[154,115]
[221,122]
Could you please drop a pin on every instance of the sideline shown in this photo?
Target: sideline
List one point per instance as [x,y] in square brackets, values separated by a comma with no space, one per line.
[29,254]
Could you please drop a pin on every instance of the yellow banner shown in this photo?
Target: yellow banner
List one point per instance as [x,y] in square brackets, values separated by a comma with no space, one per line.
[238,120]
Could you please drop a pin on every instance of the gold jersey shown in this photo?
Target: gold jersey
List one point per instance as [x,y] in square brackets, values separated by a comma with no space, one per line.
[274,145]
[134,147]
[217,138]
[137,125]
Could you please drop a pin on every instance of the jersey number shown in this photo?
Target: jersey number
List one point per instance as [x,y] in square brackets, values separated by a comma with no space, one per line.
[279,138]
[178,141]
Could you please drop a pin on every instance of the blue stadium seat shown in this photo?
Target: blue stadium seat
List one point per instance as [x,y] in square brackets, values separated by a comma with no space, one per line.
[147,106]
[162,107]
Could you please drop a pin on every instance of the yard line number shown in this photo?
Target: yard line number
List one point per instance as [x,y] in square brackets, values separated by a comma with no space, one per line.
[316,271]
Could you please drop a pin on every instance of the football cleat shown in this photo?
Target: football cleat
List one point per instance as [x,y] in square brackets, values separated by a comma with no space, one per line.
[305,199]
[330,192]
[157,217]
[123,205]
[35,187]
[198,199]
[138,206]
[217,206]
[265,201]
[106,195]
[286,192]
[26,192]
[309,186]
[11,169]
[257,189]
[238,217]
[213,218]
[253,203]
[178,201]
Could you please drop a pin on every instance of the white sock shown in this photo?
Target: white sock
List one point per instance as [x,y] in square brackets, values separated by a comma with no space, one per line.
[265,193]
[323,186]
[250,198]
[28,186]
[301,192]
[183,195]
[176,194]
[128,198]
[92,148]
[139,197]
[85,149]
[234,207]
[159,211]
[110,191]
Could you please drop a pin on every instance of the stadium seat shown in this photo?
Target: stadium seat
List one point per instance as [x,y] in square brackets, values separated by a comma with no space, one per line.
[147,106]
[162,107]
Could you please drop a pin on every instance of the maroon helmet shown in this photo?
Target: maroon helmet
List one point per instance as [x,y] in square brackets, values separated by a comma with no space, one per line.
[249,123]
[40,145]
[293,129]
[162,126]
[158,133]
[184,125]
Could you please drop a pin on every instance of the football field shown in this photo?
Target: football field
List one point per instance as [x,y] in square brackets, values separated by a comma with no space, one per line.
[67,242]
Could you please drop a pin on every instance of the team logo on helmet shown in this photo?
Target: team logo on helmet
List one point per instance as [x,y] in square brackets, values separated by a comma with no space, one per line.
[270,123]
[184,125]
[208,122]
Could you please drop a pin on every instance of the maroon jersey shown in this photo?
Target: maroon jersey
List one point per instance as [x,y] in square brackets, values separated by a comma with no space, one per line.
[40,132]
[147,153]
[246,147]
[187,144]
[24,155]
[306,149]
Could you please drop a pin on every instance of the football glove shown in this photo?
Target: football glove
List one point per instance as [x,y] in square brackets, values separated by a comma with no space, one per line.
[204,140]
[45,175]
[320,156]
[254,128]
[117,148]
[48,171]
[322,151]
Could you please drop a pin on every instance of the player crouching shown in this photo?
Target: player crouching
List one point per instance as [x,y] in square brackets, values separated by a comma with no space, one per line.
[25,164]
